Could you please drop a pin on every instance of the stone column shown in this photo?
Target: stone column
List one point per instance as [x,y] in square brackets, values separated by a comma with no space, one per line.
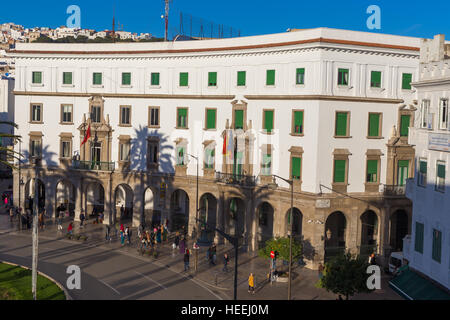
[49,198]
[384,241]
[220,218]
[78,199]
[352,239]
[249,217]
[108,205]
[192,215]
[138,205]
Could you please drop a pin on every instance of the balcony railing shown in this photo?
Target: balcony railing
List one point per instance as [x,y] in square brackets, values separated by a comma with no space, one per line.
[394,190]
[93,165]
[230,178]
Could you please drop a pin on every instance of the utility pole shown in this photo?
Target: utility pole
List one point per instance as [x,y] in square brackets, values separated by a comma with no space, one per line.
[35,232]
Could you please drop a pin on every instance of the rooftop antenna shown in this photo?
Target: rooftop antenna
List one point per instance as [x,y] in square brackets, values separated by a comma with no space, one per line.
[166,19]
[114,23]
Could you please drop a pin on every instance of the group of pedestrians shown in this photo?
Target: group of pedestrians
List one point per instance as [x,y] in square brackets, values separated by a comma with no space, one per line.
[149,239]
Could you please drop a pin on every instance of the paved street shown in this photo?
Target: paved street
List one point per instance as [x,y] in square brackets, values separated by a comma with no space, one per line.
[110,271]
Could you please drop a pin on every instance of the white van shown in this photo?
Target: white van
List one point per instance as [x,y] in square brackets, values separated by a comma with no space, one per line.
[396,261]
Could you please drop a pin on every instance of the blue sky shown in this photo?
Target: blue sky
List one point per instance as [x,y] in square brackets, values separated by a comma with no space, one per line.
[252,17]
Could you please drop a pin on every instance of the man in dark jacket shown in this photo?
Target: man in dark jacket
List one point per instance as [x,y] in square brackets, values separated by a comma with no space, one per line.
[186,260]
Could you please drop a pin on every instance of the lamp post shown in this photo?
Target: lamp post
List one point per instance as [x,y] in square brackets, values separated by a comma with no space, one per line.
[273,186]
[196,196]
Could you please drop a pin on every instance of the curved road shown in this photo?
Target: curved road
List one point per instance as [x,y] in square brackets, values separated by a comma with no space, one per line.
[106,273]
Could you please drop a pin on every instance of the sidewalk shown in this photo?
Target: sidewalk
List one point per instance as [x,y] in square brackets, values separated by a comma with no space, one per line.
[303,282]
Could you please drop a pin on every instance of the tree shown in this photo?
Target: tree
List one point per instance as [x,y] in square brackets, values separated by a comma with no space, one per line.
[10,153]
[345,275]
[281,245]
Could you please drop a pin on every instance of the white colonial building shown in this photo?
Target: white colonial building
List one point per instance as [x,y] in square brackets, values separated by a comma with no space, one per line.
[329,109]
[428,248]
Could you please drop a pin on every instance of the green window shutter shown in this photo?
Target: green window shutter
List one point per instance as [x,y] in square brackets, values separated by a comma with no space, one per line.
[212,79]
[270,77]
[210,119]
[182,116]
[437,245]
[418,243]
[423,167]
[155,79]
[404,125]
[375,79]
[339,170]
[372,170]
[343,77]
[300,76]
[406,81]
[239,119]
[341,124]
[97,78]
[298,122]
[126,78]
[266,164]
[268,123]
[241,78]
[37,77]
[184,79]
[296,168]
[67,77]
[441,171]
[374,125]
[403,163]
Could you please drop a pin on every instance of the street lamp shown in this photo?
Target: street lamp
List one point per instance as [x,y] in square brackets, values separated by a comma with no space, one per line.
[196,196]
[273,185]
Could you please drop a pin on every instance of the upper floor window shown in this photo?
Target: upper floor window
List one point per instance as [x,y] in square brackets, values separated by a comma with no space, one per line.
[297,122]
[181,155]
[418,242]
[210,119]
[342,124]
[36,113]
[125,115]
[212,79]
[152,152]
[437,245]
[300,76]
[440,176]
[422,174]
[96,114]
[184,79]
[66,113]
[374,129]
[406,81]
[126,78]
[372,171]
[153,117]
[241,78]
[296,167]
[268,120]
[270,77]
[154,81]
[424,113]
[67,78]
[239,119]
[97,78]
[36,77]
[209,157]
[65,149]
[339,175]
[375,79]
[343,76]
[35,147]
[182,116]
[266,164]
[444,115]
[124,151]
[404,125]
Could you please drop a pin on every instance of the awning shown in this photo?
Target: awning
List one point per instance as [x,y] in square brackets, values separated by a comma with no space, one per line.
[411,286]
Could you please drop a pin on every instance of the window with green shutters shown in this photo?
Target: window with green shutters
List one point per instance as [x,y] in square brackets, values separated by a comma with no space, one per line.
[298,122]
[97,78]
[155,79]
[422,176]
[296,168]
[437,245]
[343,77]
[375,79]
[126,78]
[341,124]
[270,77]
[266,165]
[440,176]
[67,77]
[37,77]
[406,81]
[180,155]
[212,79]
[300,76]
[210,118]
[374,124]
[209,158]
[239,119]
[372,171]
[403,172]
[418,242]
[404,125]
[184,79]
[241,78]
[182,117]
[268,120]
[339,171]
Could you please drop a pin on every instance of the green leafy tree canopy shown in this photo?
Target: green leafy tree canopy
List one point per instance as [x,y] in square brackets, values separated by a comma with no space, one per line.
[282,246]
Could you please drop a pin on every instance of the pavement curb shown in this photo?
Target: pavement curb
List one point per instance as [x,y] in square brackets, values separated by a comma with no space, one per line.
[66,293]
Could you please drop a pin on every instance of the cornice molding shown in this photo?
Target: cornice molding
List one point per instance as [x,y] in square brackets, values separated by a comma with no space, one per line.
[323,97]
[431,82]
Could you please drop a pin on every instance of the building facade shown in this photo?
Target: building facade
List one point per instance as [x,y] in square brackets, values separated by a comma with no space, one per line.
[428,247]
[326,109]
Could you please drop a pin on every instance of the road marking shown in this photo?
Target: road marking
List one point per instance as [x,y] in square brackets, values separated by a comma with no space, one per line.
[65,251]
[109,286]
[150,279]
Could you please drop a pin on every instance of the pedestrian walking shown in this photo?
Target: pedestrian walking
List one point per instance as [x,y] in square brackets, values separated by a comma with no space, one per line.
[122,237]
[182,245]
[108,232]
[372,259]
[321,269]
[177,240]
[82,218]
[186,260]
[225,262]
[251,284]
[164,233]
[129,235]
[208,254]
[70,229]
[60,228]
[214,254]
[158,235]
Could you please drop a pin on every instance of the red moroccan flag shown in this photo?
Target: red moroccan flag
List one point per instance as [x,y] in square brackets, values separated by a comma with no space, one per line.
[87,136]
[224,149]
